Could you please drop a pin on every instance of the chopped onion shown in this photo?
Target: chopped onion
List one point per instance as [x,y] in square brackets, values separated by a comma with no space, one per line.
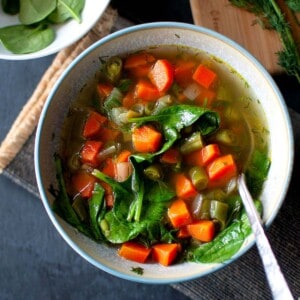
[192,91]
[196,205]
[123,171]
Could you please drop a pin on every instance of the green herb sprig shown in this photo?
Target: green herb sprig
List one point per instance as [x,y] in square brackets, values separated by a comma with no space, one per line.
[270,14]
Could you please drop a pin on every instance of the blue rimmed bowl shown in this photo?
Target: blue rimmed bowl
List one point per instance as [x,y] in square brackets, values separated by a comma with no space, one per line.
[129,40]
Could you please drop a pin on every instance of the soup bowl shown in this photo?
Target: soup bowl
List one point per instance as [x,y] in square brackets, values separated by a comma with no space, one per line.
[132,39]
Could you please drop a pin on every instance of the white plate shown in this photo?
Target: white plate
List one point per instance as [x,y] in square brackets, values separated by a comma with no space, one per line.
[66,34]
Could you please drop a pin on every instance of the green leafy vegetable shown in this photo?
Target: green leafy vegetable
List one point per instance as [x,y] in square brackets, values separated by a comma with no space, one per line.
[294,5]
[269,11]
[174,118]
[21,39]
[34,33]
[137,270]
[62,203]
[257,172]
[67,9]
[96,210]
[33,11]
[226,244]
[138,207]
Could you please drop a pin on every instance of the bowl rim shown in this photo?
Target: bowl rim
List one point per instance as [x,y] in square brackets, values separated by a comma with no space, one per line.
[114,35]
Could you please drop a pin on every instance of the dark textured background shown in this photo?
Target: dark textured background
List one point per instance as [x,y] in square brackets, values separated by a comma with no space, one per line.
[35,261]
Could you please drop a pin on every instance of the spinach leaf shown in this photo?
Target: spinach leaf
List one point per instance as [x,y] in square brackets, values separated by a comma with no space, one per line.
[257,172]
[148,228]
[11,7]
[120,230]
[178,116]
[65,10]
[96,206]
[226,244]
[21,39]
[159,191]
[122,194]
[62,203]
[33,11]
[134,213]
[174,118]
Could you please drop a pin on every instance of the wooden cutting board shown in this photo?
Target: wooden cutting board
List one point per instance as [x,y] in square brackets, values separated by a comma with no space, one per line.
[238,25]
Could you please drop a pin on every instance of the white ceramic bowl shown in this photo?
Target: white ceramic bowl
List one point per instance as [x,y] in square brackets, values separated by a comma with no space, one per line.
[130,40]
[66,34]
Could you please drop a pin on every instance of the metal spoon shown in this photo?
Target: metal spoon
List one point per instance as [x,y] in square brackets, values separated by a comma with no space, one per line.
[277,282]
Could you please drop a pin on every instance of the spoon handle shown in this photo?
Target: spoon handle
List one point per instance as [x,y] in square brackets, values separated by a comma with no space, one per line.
[277,282]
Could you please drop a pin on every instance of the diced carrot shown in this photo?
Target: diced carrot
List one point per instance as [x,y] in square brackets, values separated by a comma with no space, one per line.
[89,152]
[184,187]
[183,72]
[93,125]
[183,233]
[123,156]
[222,168]
[108,194]
[165,254]
[108,134]
[134,251]
[104,89]
[179,214]
[146,90]
[209,153]
[146,139]
[202,230]
[171,156]
[138,59]
[141,71]
[109,167]
[204,76]
[84,183]
[205,98]
[109,200]
[128,100]
[162,75]
[203,156]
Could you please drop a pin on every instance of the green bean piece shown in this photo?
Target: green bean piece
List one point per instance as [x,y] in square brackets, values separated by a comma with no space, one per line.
[153,172]
[199,177]
[74,162]
[218,211]
[192,143]
[216,194]
[149,108]
[226,137]
[113,69]
[114,99]
[162,103]
[79,208]
[204,213]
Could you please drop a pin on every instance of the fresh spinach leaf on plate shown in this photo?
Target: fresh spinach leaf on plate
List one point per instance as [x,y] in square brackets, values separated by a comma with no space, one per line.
[33,11]
[65,10]
[22,39]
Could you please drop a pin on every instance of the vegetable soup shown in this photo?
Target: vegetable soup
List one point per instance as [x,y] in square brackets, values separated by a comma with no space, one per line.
[150,154]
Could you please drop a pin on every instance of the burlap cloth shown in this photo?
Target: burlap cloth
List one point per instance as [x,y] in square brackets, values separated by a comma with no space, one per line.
[243,279]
